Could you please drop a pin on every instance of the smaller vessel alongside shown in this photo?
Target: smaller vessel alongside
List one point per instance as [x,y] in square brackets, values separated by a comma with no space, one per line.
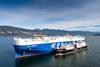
[41,44]
[75,43]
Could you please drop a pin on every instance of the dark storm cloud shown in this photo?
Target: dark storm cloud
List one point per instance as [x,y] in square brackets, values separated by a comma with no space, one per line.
[14,2]
[59,4]
[45,4]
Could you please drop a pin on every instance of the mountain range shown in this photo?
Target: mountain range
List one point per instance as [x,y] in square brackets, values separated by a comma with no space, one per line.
[15,31]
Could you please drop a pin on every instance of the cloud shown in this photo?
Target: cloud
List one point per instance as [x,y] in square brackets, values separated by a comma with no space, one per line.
[97,25]
[55,5]
[54,14]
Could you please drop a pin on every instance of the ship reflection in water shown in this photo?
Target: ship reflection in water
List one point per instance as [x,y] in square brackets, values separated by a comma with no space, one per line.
[52,60]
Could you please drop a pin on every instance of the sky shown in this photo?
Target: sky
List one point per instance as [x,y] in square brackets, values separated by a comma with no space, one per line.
[82,15]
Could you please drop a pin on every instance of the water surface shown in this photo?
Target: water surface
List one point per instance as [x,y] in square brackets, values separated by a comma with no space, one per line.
[84,58]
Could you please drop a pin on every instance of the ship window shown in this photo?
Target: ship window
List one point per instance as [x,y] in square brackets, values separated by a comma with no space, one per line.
[76,41]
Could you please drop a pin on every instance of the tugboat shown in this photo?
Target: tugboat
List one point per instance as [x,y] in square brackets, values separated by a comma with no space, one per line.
[42,44]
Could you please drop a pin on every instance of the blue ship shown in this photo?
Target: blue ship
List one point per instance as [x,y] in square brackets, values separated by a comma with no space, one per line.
[25,47]
[32,50]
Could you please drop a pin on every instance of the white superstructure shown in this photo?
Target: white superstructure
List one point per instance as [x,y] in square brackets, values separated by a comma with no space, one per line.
[47,39]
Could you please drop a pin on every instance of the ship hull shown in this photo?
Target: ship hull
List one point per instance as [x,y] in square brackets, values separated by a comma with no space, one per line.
[45,48]
[32,50]
[36,49]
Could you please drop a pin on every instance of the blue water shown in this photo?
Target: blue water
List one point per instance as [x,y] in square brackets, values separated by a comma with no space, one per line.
[84,58]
